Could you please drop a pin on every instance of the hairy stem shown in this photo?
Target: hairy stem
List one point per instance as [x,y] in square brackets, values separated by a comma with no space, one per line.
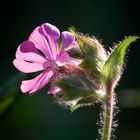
[108,115]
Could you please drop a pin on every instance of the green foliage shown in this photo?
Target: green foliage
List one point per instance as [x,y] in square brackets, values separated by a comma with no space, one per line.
[5,103]
[9,93]
[112,69]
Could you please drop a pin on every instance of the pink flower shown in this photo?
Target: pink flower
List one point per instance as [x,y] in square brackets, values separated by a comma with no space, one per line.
[40,53]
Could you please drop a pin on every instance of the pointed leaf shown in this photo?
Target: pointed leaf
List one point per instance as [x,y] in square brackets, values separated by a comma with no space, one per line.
[112,69]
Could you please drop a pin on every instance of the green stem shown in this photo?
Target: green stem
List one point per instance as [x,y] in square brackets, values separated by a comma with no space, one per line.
[108,115]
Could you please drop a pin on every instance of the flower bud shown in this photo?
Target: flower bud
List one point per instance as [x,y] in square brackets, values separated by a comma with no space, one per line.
[76,91]
[94,55]
[75,52]
[75,86]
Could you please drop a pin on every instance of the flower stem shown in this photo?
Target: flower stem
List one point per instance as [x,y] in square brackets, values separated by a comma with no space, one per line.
[108,115]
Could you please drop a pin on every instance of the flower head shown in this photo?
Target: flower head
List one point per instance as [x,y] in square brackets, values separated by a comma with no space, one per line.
[41,53]
[78,66]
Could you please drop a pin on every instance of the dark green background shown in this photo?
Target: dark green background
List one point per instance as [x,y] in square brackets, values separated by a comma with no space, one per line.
[38,117]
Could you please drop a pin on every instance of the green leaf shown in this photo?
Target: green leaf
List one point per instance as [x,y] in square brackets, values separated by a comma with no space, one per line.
[112,69]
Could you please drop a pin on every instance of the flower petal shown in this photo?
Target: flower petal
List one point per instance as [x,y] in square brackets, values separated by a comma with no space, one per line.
[52,35]
[37,83]
[27,67]
[68,40]
[40,42]
[46,39]
[27,51]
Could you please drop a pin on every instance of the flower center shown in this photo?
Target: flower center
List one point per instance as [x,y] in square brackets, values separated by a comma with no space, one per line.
[50,65]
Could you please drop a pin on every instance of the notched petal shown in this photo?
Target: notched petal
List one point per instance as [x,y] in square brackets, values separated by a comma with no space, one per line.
[52,35]
[33,85]
[27,67]
[27,51]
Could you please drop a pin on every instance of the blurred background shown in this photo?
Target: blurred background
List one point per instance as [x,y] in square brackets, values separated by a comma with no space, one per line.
[38,117]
